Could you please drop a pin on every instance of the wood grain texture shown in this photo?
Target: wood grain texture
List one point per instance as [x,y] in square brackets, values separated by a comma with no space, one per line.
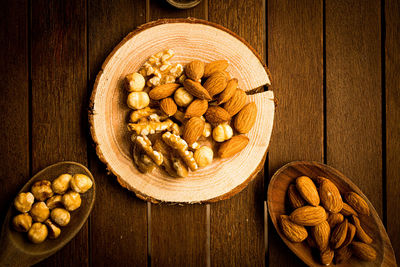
[178,234]
[58,89]
[237,225]
[14,103]
[123,243]
[295,57]
[392,80]
[353,94]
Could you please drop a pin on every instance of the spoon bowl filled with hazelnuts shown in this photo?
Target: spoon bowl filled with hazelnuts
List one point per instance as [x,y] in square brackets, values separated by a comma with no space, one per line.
[46,214]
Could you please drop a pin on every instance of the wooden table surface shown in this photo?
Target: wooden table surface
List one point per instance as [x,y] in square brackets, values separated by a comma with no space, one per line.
[336,74]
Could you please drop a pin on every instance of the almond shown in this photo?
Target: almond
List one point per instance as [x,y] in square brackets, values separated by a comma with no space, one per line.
[230,89]
[233,146]
[197,108]
[342,255]
[163,91]
[327,256]
[295,200]
[307,190]
[168,106]
[330,196]
[227,75]
[339,234]
[218,65]
[292,231]
[357,203]
[311,242]
[351,231]
[246,118]
[363,251]
[236,103]
[308,215]
[216,114]
[321,233]
[196,89]
[195,70]
[193,130]
[335,218]
[216,83]
[360,233]
[347,210]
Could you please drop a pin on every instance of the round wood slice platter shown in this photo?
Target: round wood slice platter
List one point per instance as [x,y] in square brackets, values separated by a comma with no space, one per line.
[190,39]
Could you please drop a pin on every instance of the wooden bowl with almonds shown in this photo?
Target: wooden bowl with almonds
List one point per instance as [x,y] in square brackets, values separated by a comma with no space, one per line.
[191,40]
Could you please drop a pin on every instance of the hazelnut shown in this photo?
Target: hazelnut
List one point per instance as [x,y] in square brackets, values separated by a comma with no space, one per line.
[135,82]
[182,97]
[60,185]
[207,130]
[81,183]
[203,156]
[54,202]
[37,233]
[138,100]
[23,202]
[22,222]
[41,190]
[71,200]
[40,212]
[60,216]
[53,230]
[222,132]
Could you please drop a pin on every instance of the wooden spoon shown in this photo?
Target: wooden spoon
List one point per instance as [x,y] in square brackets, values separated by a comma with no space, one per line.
[16,249]
[277,205]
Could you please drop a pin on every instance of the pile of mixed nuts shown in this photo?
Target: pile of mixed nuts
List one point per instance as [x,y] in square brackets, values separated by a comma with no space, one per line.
[176,109]
[47,206]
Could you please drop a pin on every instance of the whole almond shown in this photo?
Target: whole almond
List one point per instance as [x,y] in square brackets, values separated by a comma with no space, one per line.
[218,65]
[335,218]
[216,83]
[330,196]
[363,251]
[163,91]
[230,89]
[292,231]
[308,215]
[321,233]
[216,114]
[357,203]
[193,130]
[236,103]
[342,255]
[195,70]
[339,234]
[327,256]
[360,233]
[307,190]
[233,146]
[197,108]
[351,231]
[246,118]
[196,89]
[168,106]
[227,75]
[347,210]
[311,242]
[295,200]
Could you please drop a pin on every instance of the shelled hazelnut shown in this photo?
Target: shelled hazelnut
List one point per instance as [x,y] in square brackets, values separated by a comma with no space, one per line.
[54,202]
[23,202]
[37,233]
[41,190]
[53,230]
[222,132]
[81,183]
[60,216]
[203,156]
[71,200]
[40,212]
[61,184]
[22,222]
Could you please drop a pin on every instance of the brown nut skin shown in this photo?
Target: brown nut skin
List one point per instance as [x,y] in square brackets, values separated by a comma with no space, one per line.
[41,190]
[71,200]
[40,212]
[81,183]
[24,201]
[60,216]
[54,231]
[37,233]
[22,222]
[54,202]
[60,185]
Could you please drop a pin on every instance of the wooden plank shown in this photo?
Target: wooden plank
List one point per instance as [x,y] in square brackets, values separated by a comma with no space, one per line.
[237,225]
[59,120]
[14,103]
[392,79]
[295,58]
[119,219]
[353,94]
[178,233]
